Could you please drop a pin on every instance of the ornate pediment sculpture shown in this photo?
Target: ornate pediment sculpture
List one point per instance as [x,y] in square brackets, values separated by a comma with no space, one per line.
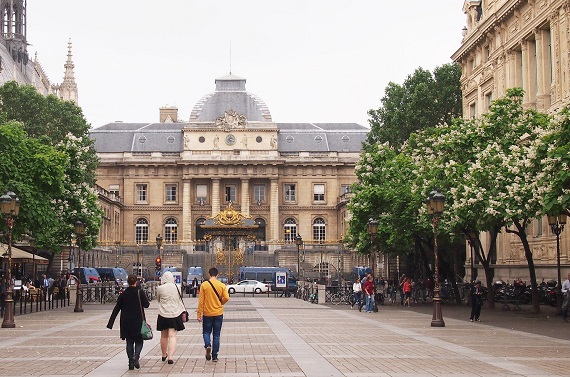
[229,216]
[231,120]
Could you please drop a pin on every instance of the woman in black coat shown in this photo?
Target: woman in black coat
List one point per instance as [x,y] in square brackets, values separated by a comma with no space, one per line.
[130,303]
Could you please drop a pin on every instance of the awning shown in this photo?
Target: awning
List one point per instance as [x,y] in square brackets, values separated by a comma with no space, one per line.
[21,256]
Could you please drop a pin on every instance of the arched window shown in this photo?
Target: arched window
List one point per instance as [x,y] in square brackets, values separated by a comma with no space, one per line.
[260,234]
[319,229]
[141,231]
[170,230]
[200,233]
[290,230]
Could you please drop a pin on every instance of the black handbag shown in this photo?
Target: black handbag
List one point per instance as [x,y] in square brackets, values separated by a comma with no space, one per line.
[184,316]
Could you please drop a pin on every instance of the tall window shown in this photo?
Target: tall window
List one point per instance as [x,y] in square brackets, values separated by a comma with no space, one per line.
[230,194]
[141,192]
[141,231]
[290,193]
[171,230]
[290,230]
[259,193]
[319,193]
[200,233]
[201,193]
[171,190]
[489,100]
[344,189]
[473,110]
[319,230]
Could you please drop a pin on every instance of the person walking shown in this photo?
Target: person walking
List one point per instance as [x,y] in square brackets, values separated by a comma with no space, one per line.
[131,303]
[169,321]
[210,312]
[357,291]
[194,287]
[566,292]
[407,289]
[368,289]
[476,302]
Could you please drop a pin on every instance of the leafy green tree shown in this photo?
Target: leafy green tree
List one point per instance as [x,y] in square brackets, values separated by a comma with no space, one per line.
[61,126]
[423,100]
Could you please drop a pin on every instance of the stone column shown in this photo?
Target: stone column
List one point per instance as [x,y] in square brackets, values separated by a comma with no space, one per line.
[555,56]
[274,210]
[186,211]
[215,196]
[528,74]
[245,202]
[542,69]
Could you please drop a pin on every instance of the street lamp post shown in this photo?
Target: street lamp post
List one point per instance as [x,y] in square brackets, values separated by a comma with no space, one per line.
[557,223]
[79,232]
[373,231]
[435,203]
[159,247]
[10,206]
[298,242]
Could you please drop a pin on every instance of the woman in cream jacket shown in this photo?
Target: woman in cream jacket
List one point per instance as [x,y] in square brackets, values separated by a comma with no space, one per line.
[169,322]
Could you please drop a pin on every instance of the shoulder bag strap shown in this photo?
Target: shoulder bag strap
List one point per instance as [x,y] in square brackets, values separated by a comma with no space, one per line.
[180,294]
[217,294]
[140,304]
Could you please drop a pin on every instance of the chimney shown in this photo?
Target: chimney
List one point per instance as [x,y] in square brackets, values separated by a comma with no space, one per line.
[168,114]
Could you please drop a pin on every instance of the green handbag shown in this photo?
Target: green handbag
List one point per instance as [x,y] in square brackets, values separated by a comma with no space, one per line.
[146,330]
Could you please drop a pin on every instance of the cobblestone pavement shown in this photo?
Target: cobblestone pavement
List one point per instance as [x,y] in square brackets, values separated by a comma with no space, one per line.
[268,336]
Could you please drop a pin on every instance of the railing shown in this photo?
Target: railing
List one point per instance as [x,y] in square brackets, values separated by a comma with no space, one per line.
[37,300]
[108,292]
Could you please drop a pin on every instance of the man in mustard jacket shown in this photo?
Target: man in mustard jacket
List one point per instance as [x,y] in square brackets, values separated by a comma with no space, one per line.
[210,312]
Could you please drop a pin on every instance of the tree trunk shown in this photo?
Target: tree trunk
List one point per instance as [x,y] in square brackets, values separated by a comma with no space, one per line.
[528,255]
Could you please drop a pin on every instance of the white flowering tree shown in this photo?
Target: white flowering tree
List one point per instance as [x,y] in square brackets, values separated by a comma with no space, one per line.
[491,173]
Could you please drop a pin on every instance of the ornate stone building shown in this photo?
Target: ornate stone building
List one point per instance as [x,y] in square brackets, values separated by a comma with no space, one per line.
[518,43]
[15,63]
[171,177]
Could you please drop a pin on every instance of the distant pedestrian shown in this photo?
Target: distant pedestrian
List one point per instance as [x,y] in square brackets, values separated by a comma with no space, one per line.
[131,303]
[476,302]
[194,287]
[210,312]
[407,289]
[357,292]
[368,289]
[566,293]
[169,322]
[401,288]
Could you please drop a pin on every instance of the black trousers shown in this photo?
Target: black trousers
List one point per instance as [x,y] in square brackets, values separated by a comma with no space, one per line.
[475,309]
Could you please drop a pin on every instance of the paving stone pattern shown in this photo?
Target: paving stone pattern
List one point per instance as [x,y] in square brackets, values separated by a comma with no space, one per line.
[269,336]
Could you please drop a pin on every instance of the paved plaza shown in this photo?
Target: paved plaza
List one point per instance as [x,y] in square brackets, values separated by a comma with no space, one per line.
[269,336]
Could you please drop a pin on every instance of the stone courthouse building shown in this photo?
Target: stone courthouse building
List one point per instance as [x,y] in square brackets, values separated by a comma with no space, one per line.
[518,43]
[228,187]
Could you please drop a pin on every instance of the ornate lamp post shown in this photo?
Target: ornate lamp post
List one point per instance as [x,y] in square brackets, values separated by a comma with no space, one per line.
[373,231]
[79,233]
[298,242]
[435,203]
[557,223]
[10,206]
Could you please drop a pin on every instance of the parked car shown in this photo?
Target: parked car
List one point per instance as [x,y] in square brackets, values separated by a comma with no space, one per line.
[249,286]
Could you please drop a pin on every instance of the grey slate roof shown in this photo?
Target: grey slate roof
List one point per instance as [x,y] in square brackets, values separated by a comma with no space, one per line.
[230,94]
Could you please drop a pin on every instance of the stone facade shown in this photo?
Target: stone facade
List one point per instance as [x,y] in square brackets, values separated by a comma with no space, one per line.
[171,177]
[518,43]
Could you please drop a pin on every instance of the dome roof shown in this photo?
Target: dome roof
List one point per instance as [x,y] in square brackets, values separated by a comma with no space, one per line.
[230,94]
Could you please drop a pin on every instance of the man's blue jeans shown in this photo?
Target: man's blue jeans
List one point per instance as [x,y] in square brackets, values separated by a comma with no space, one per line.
[369,303]
[212,325]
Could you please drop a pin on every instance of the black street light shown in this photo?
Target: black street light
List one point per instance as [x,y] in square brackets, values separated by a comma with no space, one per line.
[557,223]
[10,206]
[298,242]
[79,233]
[373,231]
[159,251]
[435,203]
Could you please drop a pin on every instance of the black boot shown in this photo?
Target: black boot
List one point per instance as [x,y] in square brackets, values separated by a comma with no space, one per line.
[136,362]
[131,364]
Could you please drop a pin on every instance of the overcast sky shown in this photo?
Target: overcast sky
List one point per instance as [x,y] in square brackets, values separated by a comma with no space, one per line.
[309,60]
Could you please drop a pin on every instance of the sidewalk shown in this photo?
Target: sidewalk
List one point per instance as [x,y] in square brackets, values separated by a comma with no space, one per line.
[267,336]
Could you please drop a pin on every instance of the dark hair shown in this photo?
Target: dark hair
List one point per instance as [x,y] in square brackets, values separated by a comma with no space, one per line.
[132,279]
[213,271]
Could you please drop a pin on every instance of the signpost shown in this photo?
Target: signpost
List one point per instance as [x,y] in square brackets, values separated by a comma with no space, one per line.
[281,281]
